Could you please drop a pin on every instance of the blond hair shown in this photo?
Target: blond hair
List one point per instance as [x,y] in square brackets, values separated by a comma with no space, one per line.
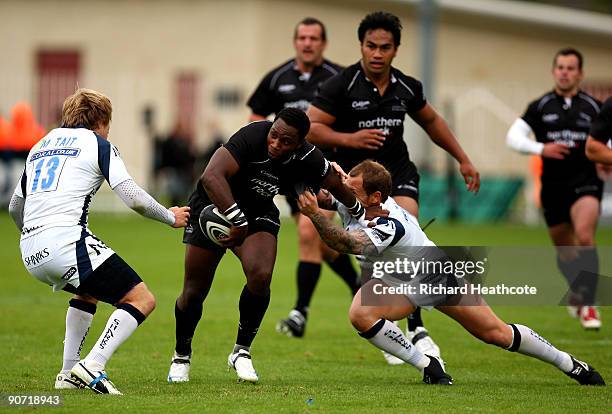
[86,108]
[375,178]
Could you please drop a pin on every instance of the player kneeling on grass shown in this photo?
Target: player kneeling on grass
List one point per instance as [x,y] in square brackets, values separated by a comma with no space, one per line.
[398,237]
[63,172]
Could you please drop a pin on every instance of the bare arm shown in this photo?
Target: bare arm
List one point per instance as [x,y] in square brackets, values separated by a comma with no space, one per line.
[322,135]
[333,183]
[441,135]
[598,152]
[215,179]
[354,242]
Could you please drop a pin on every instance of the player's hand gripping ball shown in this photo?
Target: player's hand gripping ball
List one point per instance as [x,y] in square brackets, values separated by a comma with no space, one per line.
[214,224]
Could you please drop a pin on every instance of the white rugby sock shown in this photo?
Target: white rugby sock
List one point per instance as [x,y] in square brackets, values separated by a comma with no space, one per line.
[119,327]
[389,337]
[78,320]
[527,342]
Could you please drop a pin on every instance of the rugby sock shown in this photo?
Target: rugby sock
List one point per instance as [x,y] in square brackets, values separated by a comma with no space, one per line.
[307,278]
[527,342]
[414,319]
[581,275]
[186,323]
[567,269]
[343,266]
[588,272]
[389,337]
[121,324]
[78,320]
[252,310]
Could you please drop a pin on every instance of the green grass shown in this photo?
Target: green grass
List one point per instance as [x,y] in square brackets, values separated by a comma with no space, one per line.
[332,367]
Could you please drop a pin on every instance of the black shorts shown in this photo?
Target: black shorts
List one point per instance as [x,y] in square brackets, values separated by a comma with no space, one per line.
[110,282]
[557,198]
[406,183]
[266,220]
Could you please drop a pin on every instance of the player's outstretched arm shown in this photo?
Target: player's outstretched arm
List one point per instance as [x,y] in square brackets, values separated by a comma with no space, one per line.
[141,202]
[597,151]
[354,242]
[441,135]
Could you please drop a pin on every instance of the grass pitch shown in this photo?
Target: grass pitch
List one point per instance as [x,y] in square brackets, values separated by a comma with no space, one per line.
[330,370]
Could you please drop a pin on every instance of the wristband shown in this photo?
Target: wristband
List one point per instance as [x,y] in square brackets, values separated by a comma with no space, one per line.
[236,216]
[357,210]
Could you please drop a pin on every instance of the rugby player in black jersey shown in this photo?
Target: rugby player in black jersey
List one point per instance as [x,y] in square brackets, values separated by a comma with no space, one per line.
[571,189]
[259,161]
[360,112]
[597,149]
[293,84]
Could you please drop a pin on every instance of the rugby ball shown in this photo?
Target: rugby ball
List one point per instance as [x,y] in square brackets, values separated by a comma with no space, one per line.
[214,224]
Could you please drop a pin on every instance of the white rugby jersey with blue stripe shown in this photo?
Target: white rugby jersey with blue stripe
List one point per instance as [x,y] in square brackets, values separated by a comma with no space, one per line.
[63,172]
[398,236]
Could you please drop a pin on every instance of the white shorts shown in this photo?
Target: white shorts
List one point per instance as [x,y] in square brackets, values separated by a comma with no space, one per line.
[61,255]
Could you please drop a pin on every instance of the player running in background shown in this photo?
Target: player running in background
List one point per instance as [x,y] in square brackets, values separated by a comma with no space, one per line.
[571,189]
[597,149]
[258,162]
[293,85]
[361,112]
[396,238]
[50,205]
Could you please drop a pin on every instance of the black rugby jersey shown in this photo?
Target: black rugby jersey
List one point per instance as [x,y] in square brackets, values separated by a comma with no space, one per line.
[552,120]
[284,86]
[261,178]
[601,128]
[356,104]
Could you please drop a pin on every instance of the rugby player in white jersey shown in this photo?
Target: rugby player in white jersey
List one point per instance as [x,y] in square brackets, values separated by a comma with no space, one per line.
[397,237]
[63,172]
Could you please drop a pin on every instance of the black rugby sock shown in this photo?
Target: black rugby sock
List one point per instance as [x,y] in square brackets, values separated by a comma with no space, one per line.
[414,319]
[186,322]
[252,310]
[588,271]
[307,278]
[344,268]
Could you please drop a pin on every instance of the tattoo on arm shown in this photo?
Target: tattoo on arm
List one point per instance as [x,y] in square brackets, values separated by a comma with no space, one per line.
[354,242]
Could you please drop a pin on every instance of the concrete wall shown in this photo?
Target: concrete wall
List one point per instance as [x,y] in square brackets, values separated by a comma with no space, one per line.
[486,69]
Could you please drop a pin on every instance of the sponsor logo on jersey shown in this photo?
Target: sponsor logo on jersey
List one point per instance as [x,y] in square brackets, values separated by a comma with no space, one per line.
[566,136]
[264,188]
[69,273]
[360,104]
[67,152]
[549,118]
[36,258]
[301,104]
[380,235]
[380,122]
[286,88]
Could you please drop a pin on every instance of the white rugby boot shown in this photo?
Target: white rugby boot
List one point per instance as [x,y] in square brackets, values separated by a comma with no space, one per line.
[93,378]
[179,368]
[243,365]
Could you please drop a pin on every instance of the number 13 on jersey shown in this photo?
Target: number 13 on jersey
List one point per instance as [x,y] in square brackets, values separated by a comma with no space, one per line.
[48,167]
